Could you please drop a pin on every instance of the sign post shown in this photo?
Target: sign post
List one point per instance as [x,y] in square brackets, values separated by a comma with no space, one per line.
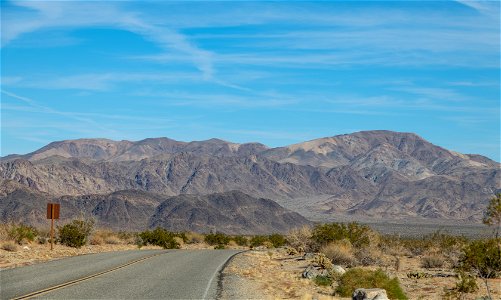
[52,213]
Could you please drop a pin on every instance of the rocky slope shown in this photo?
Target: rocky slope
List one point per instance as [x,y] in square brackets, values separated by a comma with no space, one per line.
[231,212]
[371,174]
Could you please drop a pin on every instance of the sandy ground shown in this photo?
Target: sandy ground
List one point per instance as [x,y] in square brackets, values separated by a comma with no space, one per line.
[272,274]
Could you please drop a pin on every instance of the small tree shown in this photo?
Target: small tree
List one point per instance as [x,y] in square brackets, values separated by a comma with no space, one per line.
[483,259]
[492,216]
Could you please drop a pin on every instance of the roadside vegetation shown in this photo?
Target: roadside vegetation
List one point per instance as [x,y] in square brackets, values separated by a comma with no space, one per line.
[342,257]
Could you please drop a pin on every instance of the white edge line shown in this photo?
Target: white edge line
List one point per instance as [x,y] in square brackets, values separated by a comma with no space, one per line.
[214,275]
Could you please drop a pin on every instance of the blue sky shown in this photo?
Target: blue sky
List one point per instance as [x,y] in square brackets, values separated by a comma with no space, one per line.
[271,72]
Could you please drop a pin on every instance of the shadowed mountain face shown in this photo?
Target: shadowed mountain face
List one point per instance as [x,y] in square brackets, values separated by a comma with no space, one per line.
[373,175]
[231,212]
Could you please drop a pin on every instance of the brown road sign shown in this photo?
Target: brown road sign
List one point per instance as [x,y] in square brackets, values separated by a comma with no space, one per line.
[53,210]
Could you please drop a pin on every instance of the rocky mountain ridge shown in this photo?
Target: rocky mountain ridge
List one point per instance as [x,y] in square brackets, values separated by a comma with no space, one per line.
[371,174]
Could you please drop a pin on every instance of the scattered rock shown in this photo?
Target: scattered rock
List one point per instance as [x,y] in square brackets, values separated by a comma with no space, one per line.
[309,255]
[26,248]
[338,270]
[370,294]
[310,272]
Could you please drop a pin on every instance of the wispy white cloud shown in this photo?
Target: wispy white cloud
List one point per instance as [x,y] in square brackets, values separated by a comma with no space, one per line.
[52,14]
[101,81]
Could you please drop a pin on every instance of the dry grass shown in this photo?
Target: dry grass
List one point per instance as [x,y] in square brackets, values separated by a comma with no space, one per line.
[96,240]
[10,246]
[113,240]
[194,238]
[340,252]
[429,262]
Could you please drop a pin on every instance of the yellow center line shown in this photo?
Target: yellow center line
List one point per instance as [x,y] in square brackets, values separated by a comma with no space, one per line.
[72,282]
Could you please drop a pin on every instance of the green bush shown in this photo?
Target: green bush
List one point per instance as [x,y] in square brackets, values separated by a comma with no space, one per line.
[258,240]
[76,233]
[322,280]
[277,240]
[358,235]
[159,237]
[356,278]
[217,238]
[22,232]
[482,257]
[219,247]
[240,240]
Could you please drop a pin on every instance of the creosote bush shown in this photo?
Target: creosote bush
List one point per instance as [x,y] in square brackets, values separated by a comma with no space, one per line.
[258,240]
[21,232]
[160,237]
[76,233]
[240,240]
[358,235]
[482,258]
[277,240]
[355,278]
[217,238]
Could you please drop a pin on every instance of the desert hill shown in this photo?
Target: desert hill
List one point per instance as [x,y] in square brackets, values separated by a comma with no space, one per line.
[379,175]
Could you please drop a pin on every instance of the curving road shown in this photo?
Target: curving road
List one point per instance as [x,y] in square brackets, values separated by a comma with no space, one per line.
[138,274]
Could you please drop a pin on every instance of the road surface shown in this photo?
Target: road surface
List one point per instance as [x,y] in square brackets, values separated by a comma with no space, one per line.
[138,274]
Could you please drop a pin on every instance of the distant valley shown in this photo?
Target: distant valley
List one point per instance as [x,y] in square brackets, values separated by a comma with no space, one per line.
[371,175]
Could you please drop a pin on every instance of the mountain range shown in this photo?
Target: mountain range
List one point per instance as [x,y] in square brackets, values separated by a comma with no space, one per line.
[369,175]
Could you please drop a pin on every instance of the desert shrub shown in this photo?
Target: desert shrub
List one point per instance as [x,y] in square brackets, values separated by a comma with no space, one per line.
[277,240]
[291,251]
[466,284]
[358,235]
[357,277]
[126,237]
[76,233]
[392,244]
[258,240]
[369,256]
[429,262]
[240,240]
[112,240]
[322,280]
[42,240]
[482,257]
[194,238]
[96,240]
[219,246]
[21,232]
[138,240]
[159,237]
[10,246]
[339,252]
[323,261]
[300,238]
[217,239]
[179,240]
[416,246]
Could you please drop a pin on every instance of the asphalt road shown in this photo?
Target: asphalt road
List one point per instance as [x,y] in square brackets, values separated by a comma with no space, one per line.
[142,274]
